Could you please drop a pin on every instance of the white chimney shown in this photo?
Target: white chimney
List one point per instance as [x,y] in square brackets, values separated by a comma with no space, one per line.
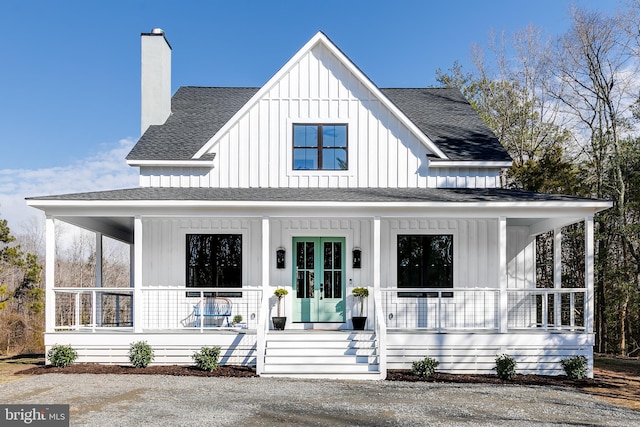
[156,79]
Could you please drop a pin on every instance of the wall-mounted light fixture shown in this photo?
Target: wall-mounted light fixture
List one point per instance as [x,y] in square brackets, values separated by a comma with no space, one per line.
[280,252]
[357,256]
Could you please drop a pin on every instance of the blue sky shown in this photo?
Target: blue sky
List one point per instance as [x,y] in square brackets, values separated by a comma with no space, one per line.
[70,70]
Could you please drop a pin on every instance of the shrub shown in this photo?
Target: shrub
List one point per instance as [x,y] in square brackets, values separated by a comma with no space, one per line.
[237,319]
[505,367]
[62,356]
[207,359]
[575,367]
[424,368]
[140,354]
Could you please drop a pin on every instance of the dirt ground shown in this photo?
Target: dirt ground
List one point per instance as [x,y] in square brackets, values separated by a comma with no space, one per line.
[616,379]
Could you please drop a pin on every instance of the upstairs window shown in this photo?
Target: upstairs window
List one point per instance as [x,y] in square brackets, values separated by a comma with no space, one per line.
[425,261]
[319,147]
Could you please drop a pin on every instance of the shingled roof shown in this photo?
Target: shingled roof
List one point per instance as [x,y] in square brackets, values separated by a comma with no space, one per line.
[443,115]
[356,195]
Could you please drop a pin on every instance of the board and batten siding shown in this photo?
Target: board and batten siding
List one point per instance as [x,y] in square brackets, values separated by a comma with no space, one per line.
[475,243]
[256,151]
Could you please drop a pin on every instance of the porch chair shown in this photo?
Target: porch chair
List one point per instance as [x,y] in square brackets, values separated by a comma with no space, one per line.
[216,308]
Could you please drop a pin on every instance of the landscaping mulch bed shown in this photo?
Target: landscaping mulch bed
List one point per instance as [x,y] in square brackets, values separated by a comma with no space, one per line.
[242,371]
[539,380]
[175,370]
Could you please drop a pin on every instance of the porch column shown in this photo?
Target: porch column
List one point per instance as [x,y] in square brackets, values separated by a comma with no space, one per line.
[588,275]
[263,319]
[138,307]
[97,299]
[557,276]
[50,274]
[502,274]
[376,253]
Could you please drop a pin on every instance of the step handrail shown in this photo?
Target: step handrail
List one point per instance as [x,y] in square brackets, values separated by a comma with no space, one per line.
[381,333]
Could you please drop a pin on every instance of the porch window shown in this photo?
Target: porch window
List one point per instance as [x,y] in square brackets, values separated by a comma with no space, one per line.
[425,261]
[319,147]
[214,261]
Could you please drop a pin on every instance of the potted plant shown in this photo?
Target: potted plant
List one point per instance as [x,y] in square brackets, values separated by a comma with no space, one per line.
[360,321]
[279,321]
[237,320]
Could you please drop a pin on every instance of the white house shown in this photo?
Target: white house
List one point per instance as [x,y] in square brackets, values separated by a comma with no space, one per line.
[318,182]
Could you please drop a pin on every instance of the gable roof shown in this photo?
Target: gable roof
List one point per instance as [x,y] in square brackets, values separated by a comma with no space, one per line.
[443,115]
[447,118]
[441,118]
[197,114]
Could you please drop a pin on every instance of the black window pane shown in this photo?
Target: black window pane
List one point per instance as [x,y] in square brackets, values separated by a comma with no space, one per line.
[337,255]
[300,254]
[327,255]
[300,284]
[328,288]
[214,260]
[309,255]
[337,284]
[310,284]
[425,261]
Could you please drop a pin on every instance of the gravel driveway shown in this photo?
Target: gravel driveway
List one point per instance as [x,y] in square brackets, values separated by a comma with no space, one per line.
[157,400]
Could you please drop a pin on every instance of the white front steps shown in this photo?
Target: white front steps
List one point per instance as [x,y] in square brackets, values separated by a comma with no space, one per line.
[325,354]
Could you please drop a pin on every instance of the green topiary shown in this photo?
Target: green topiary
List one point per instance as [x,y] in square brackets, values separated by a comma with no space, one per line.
[505,367]
[424,368]
[207,359]
[140,354]
[575,367]
[361,294]
[62,356]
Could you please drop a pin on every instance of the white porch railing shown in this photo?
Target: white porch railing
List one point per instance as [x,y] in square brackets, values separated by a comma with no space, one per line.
[479,309]
[440,309]
[432,309]
[163,308]
[551,309]
[93,308]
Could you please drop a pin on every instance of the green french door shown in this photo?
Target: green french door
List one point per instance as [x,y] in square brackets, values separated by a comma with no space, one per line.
[318,279]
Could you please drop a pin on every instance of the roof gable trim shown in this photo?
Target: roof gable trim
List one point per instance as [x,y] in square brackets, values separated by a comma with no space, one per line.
[320,37]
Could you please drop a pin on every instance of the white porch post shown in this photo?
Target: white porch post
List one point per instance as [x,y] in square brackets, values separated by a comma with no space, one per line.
[588,278]
[138,309]
[380,326]
[97,297]
[502,274]
[263,319]
[376,254]
[557,276]
[50,274]
[588,275]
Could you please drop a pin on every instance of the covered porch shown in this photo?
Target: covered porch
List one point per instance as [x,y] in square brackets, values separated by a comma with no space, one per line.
[493,306]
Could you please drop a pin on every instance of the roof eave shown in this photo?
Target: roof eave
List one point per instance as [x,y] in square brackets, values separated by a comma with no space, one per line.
[481,164]
[173,163]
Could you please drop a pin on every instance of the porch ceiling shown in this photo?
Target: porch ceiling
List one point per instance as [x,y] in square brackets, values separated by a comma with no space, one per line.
[118,228]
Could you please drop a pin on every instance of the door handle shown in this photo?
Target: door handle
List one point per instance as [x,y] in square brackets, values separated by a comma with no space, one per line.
[321,290]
